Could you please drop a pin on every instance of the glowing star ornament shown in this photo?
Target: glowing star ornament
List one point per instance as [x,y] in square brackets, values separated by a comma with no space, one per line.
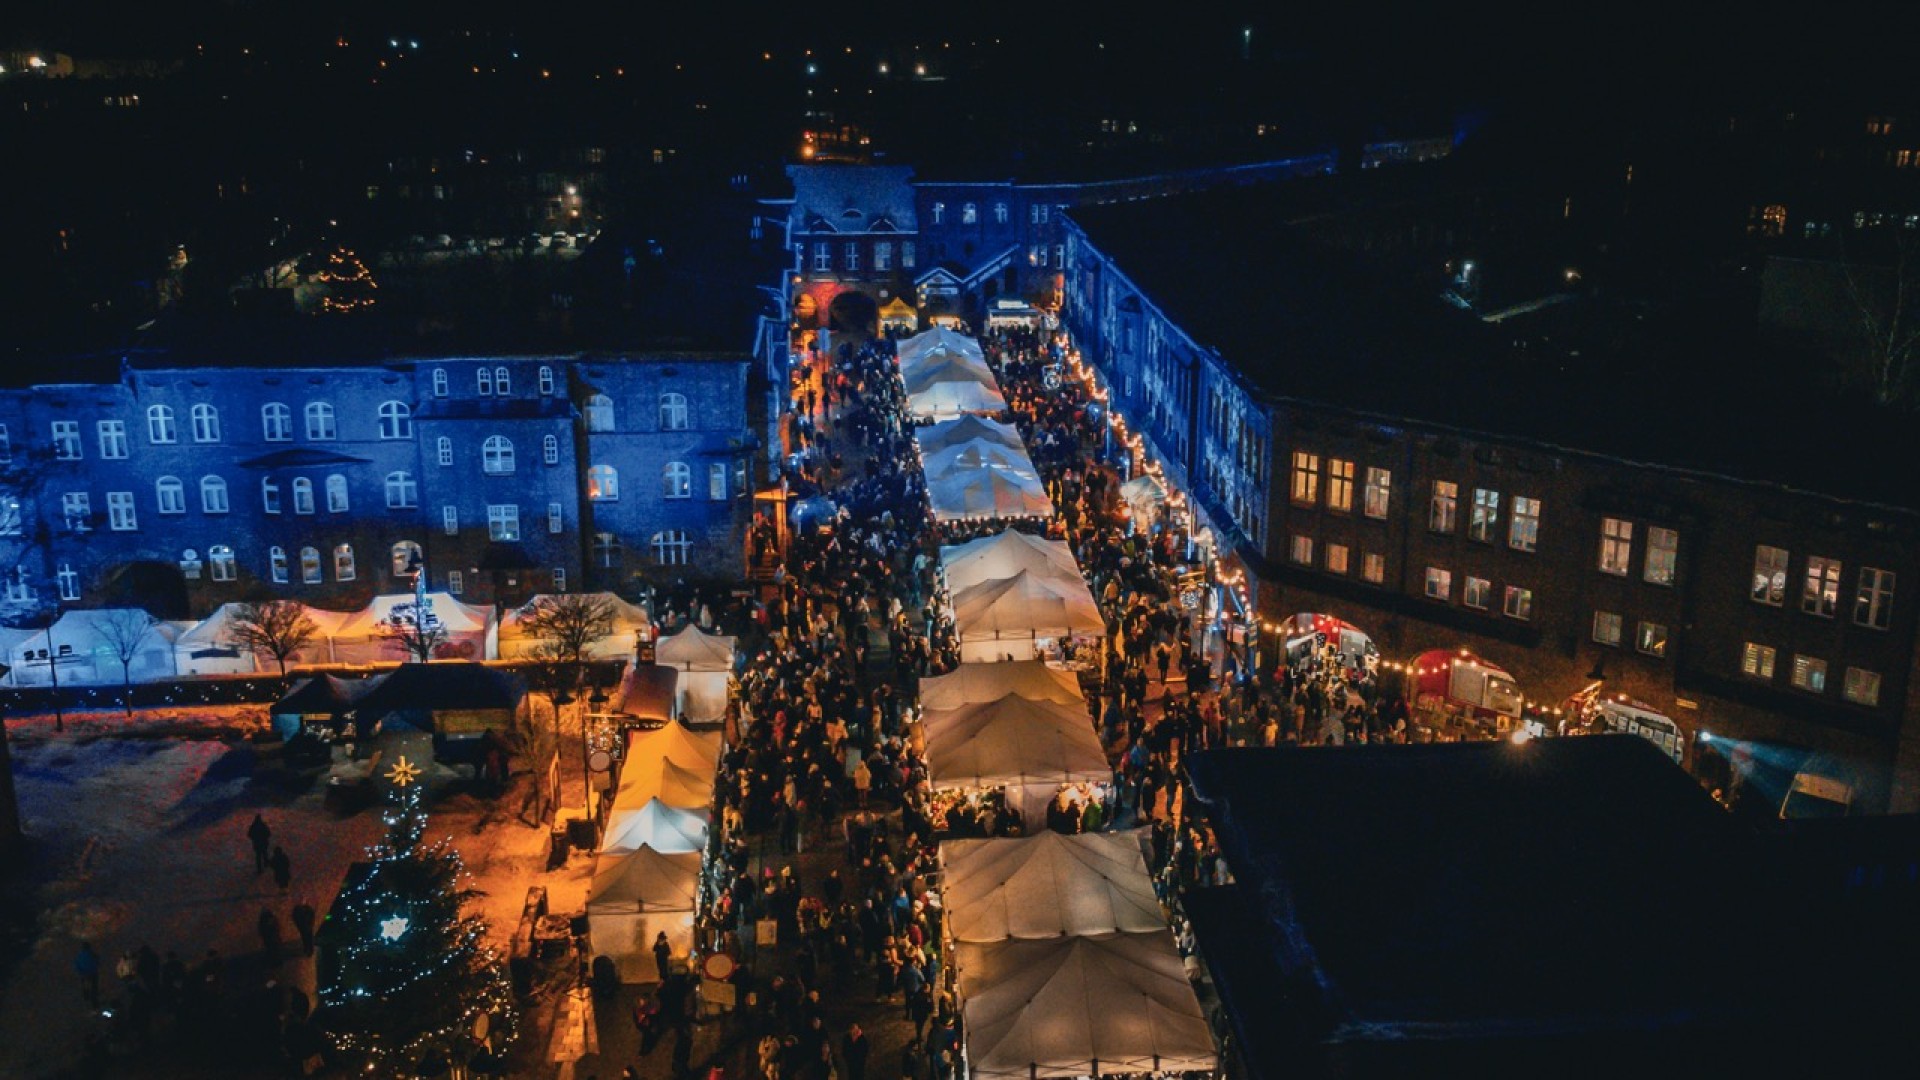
[391,929]
[404,772]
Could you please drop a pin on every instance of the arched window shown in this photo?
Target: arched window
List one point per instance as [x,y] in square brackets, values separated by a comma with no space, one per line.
[220,562]
[213,495]
[676,481]
[406,558]
[190,564]
[496,455]
[343,562]
[402,492]
[673,412]
[310,565]
[319,420]
[302,495]
[171,495]
[550,450]
[969,214]
[606,551]
[483,381]
[336,494]
[439,382]
[276,422]
[599,413]
[670,547]
[502,382]
[396,420]
[206,423]
[546,381]
[445,450]
[160,427]
[603,483]
[277,564]
[939,212]
[269,494]
[999,213]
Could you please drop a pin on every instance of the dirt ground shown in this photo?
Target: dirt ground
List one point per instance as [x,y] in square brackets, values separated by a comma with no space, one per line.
[137,835]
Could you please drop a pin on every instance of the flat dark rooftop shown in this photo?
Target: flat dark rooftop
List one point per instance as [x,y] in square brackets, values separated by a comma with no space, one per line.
[1301,320]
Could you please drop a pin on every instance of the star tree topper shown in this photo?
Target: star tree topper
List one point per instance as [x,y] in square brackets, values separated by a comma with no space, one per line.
[404,772]
[391,929]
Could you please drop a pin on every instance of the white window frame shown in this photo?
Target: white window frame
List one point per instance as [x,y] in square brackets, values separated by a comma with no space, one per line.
[302,495]
[556,518]
[121,514]
[1523,524]
[169,495]
[269,495]
[276,422]
[1484,518]
[344,568]
[277,564]
[1757,660]
[161,428]
[76,507]
[205,420]
[1443,507]
[1770,565]
[66,441]
[502,382]
[676,481]
[600,413]
[1476,593]
[503,521]
[1517,603]
[1661,563]
[1873,598]
[396,420]
[545,379]
[1439,585]
[322,423]
[1305,487]
[456,582]
[111,437]
[550,449]
[443,451]
[496,456]
[717,481]
[220,563]
[440,384]
[402,490]
[603,483]
[1616,546]
[338,501]
[1340,485]
[213,495]
[312,570]
[69,580]
[674,413]
[672,547]
[1615,626]
[483,381]
[450,519]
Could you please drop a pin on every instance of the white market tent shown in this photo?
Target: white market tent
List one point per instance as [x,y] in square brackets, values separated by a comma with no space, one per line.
[365,638]
[1030,748]
[706,664]
[936,437]
[648,778]
[947,368]
[948,399]
[698,754]
[628,620]
[208,649]
[671,830]
[1143,496]
[985,493]
[969,684]
[1010,617]
[938,339]
[637,896]
[86,646]
[993,558]
[1048,885]
[977,454]
[1081,1006]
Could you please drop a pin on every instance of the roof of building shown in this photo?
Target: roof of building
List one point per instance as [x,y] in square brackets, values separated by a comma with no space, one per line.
[852,198]
[441,685]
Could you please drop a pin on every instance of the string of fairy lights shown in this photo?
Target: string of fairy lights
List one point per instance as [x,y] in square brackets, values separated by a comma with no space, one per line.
[350,285]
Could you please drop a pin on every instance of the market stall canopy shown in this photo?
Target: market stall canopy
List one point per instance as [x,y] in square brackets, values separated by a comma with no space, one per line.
[813,508]
[954,398]
[986,493]
[322,695]
[670,830]
[1048,885]
[447,686]
[653,777]
[934,438]
[516,642]
[1081,1006]
[1013,741]
[1026,605]
[647,692]
[948,368]
[977,454]
[87,646]
[692,649]
[1004,554]
[967,684]
[366,636]
[698,754]
[938,339]
[644,880]
[1142,494]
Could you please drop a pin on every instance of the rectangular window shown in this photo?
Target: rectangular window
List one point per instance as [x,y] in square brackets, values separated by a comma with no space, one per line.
[503,522]
[1663,554]
[883,256]
[1770,575]
[1873,602]
[66,440]
[1486,512]
[559,579]
[1306,477]
[1373,567]
[1651,639]
[450,520]
[1439,584]
[1475,593]
[1523,528]
[1340,485]
[1821,596]
[1300,550]
[456,582]
[822,257]
[1862,687]
[1445,507]
[555,521]
[1810,674]
[1757,660]
[717,481]
[9,516]
[1379,492]
[906,254]
[1337,558]
[120,515]
[483,382]
[1518,603]
[113,438]
[77,508]
[1616,545]
[1607,626]
[443,450]
[546,382]
[853,255]
[6,448]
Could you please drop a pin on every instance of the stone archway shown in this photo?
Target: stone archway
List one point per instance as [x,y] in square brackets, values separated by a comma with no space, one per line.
[853,312]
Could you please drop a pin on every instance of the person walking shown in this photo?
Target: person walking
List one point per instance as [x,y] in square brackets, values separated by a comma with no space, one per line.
[303,917]
[261,835]
[86,964]
[854,1048]
[662,955]
[269,926]
[282,868]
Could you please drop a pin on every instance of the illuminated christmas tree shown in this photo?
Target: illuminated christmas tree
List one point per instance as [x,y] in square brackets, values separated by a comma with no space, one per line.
[350,285]
[407,973]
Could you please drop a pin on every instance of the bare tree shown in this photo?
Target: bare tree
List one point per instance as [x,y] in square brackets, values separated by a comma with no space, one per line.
[1888,307]
[418,635]
[125,630]
[278,628]
[570,623]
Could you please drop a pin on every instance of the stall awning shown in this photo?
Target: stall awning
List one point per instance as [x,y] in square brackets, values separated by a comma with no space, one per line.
[646,693]
[1048,885]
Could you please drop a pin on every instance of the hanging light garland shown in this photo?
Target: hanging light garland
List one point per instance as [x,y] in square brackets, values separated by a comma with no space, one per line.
[350,285]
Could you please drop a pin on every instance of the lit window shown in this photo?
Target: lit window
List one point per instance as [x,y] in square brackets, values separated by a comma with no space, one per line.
[883,256]
[599,413]
[1651,639]
[496,456]
[717,481]
[206,423]
[277,564]
[213,495]
[1862,687]
[220,563]
[939,212]
[77,508]
[676,481]
[969,214]
[113,438]
[1810,674]
[276,422]
[1607,627]
[456,582]
[1373,567]
[1340,485]
[550,450]
[1475,594]
[1444,508]
[1439,583]
[1337,558]
[1770,575]
[120,514]
[503,522]
[1306,477]
[1518,603]
[190,565]
[1873,602]
[320,421]
[673,412]
[170,495]
[402,492]
[269,495]
[1300,550]
[396,420]
[302,495]
[404,557]
[310,565]
[1523,528]
[66,440]
[1821,596]
[546,381]
[671,546]
[439,382]
[160,425]
[443,451]
[343,562]
[1616,545]
[1757,660]
[1663,553]
[603,483]
[336,494]
[1486,512]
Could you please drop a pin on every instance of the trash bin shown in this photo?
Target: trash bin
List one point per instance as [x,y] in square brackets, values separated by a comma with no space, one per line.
[557,853]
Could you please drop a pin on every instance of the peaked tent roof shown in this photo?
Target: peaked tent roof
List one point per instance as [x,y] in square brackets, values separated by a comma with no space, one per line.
[382,610]
[938,338]
[216,628]
[936,437]
[987,493]
[1025,605]
[439,685]
[323,694]
[1079,1006]
[627,619]
[654,777]
[1035,680]
[1049,885]
[645,880]
[956,397]
[670,830]
[692,649]
[698,754]
[977,454]
[946,368]
[1013,740]
[646,692]
[1004,554]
